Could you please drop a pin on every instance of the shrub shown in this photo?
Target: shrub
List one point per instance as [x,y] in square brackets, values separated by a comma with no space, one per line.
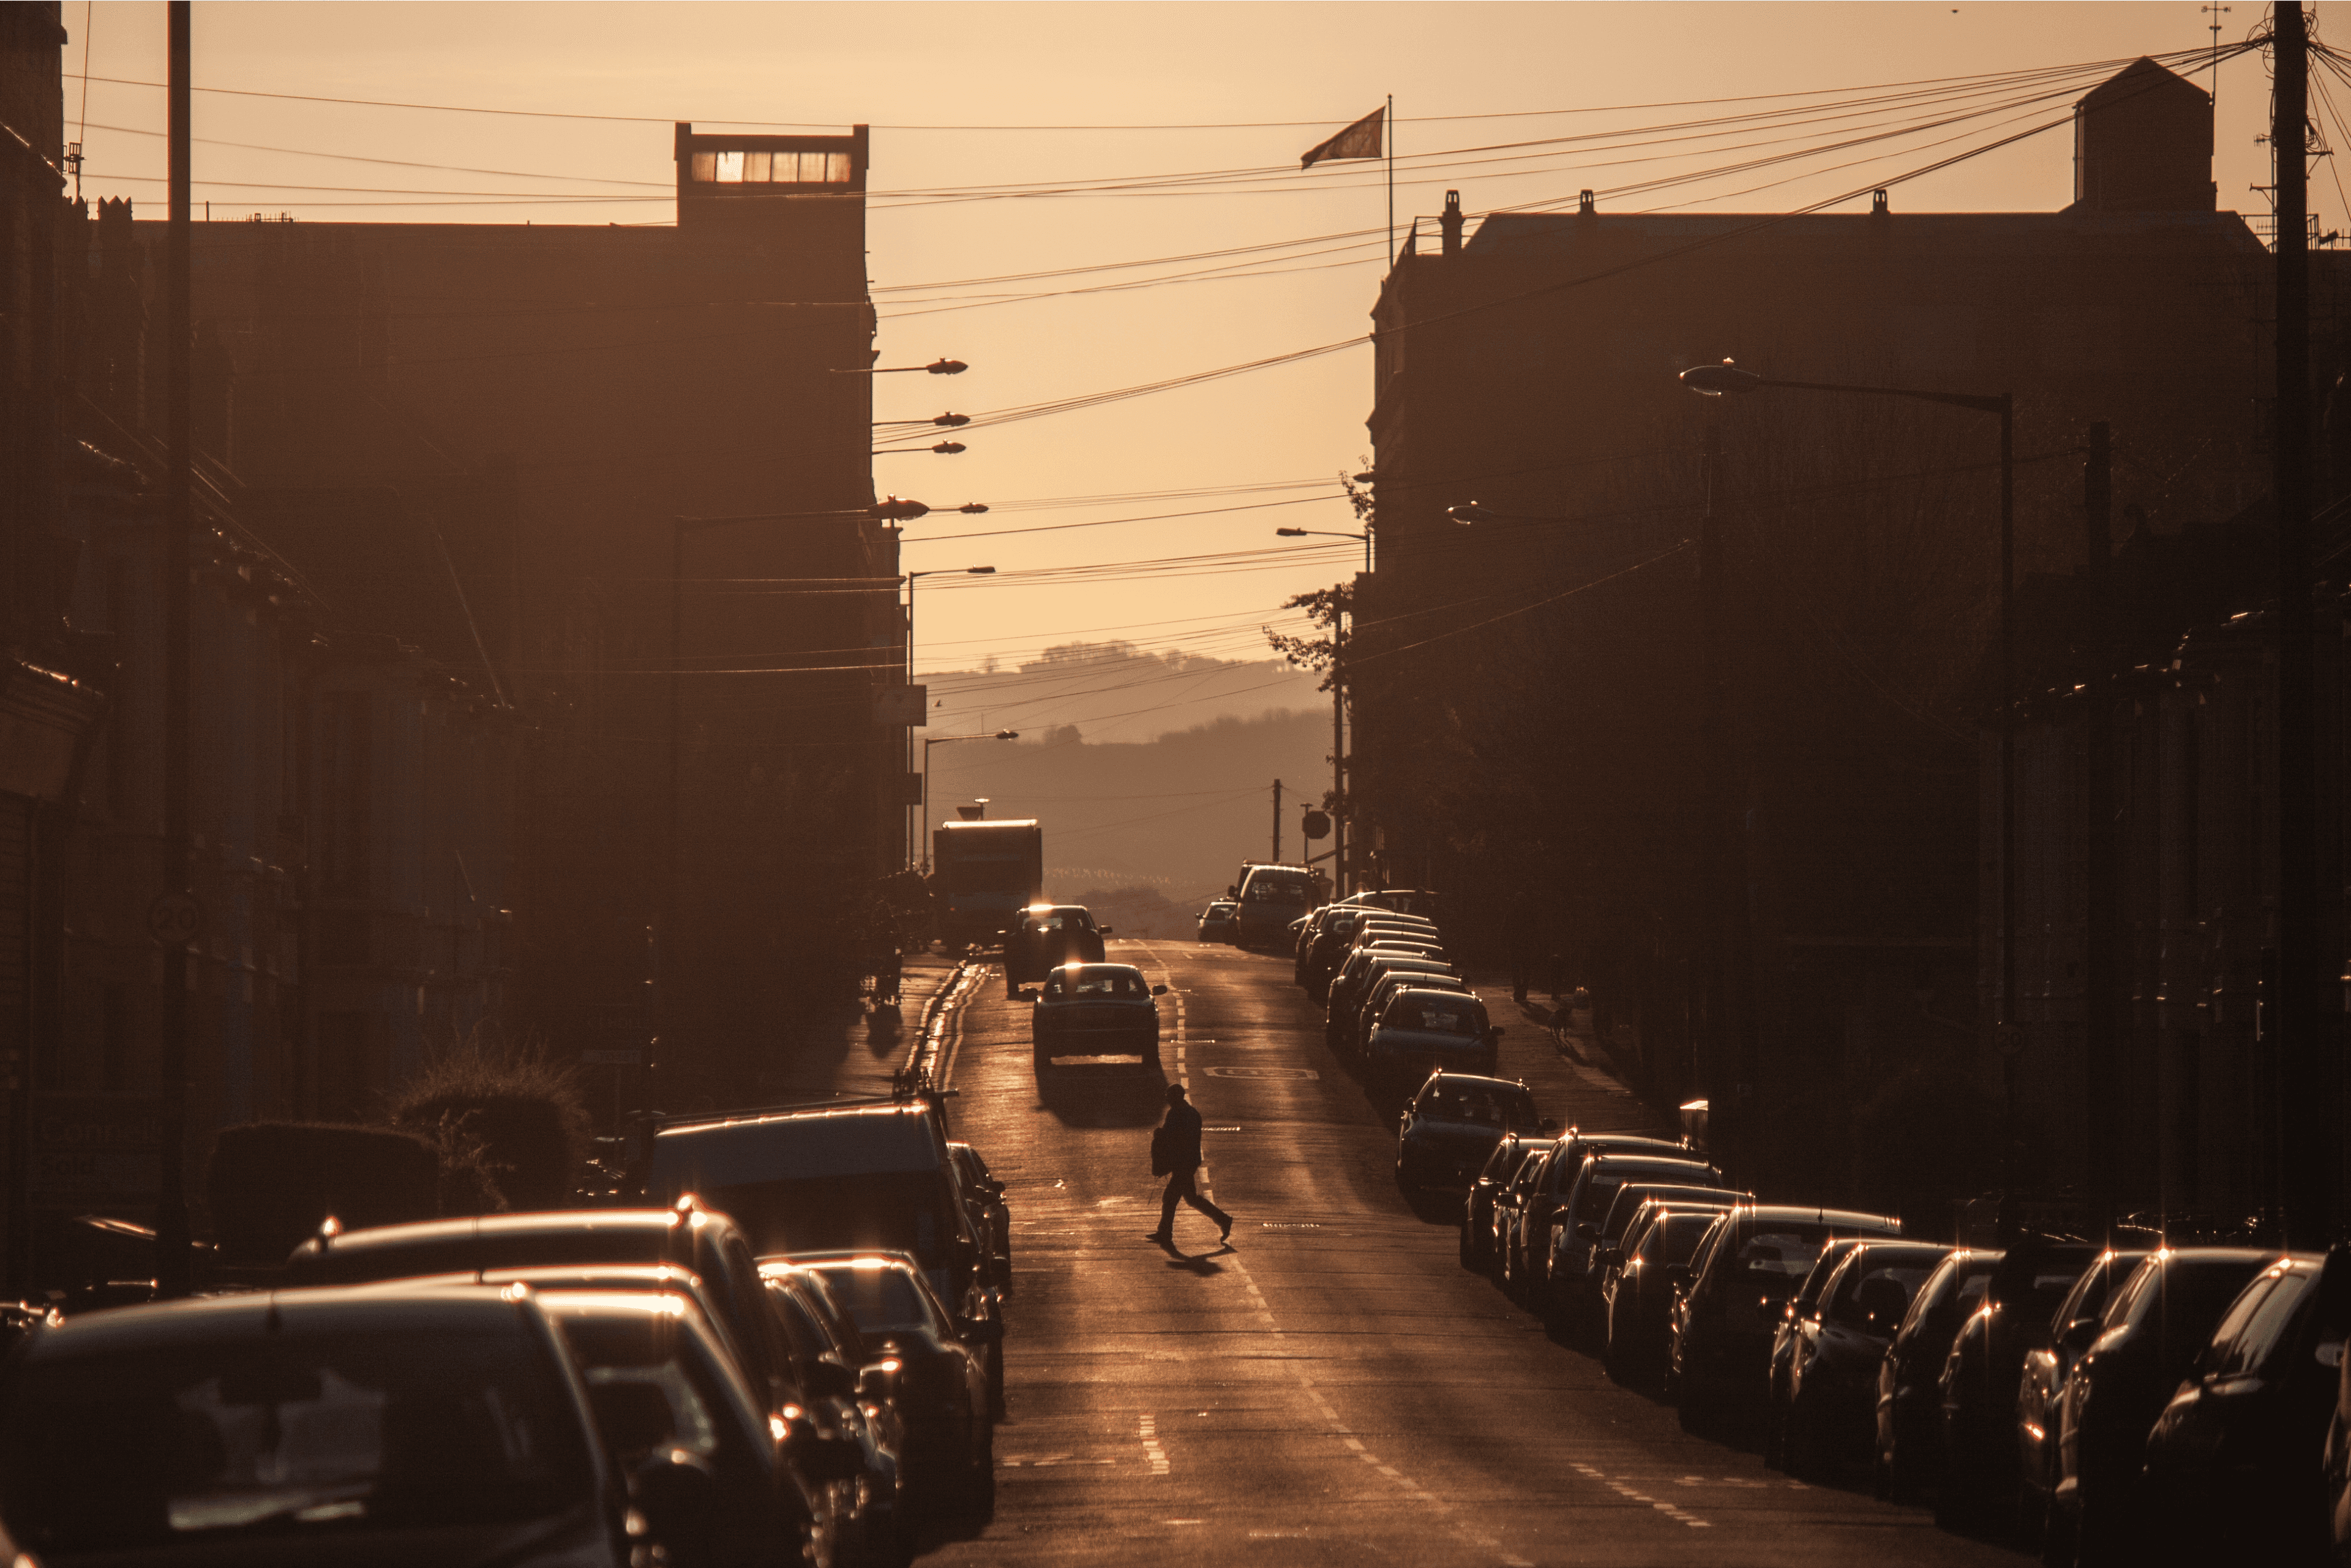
[508,1123]
[271,1183]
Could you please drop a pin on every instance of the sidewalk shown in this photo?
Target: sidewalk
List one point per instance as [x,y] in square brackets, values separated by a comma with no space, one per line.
[1578,1045]
[855,1053]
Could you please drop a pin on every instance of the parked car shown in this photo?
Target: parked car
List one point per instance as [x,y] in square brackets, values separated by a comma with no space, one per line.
[1048,937]
[2148,1338]
[2049,1357]
[1749,1265]
[1566,1284]
[1362,972]
[1452,1125]
[1529,1242]
[219,1430]
[1379,990]
[1427,1029]
[1096,1009]
[855,1433]
[1978,1382]
[1833,1375]
[1513,1150]
[2237,1464]
[991,1216]
[1327,945]
[668,1401]
[1220,922]
[942,1379]
[1270,897]
[1804,1304]
[1907,1453]
[1638,1287]
[1509,1202]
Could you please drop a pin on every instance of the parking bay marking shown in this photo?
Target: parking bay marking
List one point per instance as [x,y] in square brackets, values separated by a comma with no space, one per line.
[1291,1074]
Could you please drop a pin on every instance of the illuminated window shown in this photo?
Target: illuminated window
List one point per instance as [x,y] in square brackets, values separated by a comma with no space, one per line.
[755,168]
[706,166]
[836,167]
[730,168]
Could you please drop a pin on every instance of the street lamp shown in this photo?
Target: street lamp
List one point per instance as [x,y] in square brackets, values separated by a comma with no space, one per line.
[1729,378]
[935,368]
[945,449]
[1333,534]
[943,420]
[912,577]
[929,741]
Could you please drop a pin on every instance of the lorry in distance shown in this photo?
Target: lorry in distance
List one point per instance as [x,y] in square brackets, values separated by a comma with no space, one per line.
[984,874]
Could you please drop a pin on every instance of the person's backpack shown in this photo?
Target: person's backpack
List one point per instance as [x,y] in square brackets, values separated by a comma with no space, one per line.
[1162,1163]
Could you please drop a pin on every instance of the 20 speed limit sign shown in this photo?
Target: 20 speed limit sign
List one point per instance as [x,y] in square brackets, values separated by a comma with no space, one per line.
[175,919]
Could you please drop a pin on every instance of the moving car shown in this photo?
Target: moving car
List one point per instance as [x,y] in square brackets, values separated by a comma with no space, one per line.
[942,1376]
[1453,1123]
[1046,937]
[1270,897]
[1096,1009]
[359,1428]
[1220,922]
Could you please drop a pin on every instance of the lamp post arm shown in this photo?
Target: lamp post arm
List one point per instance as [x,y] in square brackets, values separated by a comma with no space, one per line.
[1981,405]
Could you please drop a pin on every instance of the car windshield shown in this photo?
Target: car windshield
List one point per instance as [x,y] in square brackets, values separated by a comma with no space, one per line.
[1485,1104]
[644,1394]
[327,1433]
[1061,920]
[1277,890]
[1775,1261]
[882,1299]
[1436,1015]
[1874,1298]
[1675,1238]
[1123,984]
[899,1211]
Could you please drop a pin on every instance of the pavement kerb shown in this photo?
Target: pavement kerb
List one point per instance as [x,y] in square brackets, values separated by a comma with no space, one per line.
[921,1053]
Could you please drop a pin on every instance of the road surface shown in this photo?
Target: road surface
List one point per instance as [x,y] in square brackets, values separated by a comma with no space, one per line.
[1335,1388]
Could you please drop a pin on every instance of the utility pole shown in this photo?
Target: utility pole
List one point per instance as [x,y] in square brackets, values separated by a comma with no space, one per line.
[172,1260]
[1339,804]
[1277,821]
[2102,990]
[2307,1073]
[1713,1076]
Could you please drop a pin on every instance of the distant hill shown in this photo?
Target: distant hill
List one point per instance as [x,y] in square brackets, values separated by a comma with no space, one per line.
[1115,691]
[1176,814]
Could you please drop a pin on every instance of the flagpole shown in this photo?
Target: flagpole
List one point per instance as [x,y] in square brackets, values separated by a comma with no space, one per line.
[1388,125]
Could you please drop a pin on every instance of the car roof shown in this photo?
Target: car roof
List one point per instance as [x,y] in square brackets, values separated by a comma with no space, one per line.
[209,1319]
[1477,1078]
[419,1235]
[1417,988]
[1080,969]
[1806,1214]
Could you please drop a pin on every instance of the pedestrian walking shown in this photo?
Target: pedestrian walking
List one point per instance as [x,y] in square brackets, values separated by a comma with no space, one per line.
[1176,1155]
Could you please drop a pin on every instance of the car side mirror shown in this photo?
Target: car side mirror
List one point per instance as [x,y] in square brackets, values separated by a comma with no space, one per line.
[981,1330]
[2079,1333]
[2330,1354]
[1158,990]
[1101,931]
[1587,1232]
[1608,1258]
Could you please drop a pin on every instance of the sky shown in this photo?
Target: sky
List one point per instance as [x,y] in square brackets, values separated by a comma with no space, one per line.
[1016,140]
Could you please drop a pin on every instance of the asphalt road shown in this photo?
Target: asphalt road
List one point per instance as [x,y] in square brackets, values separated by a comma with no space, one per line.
[1334,1388]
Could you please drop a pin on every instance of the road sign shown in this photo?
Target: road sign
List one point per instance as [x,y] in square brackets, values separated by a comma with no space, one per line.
[1316,825]
[96,1151]
[613,1058]
[2008,1038]
[175,919]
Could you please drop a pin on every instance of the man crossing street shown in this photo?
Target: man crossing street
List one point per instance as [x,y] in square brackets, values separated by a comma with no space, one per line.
[1175,1152]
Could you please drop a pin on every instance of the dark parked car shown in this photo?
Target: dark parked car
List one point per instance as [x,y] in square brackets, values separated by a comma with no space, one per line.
[666,1396]
[1638,1288]
[1427,1030]
[1477,1209]
[1327,944]
[1220,922]
[991,1216]
[1749,1264]
[1832,1375]
[1048,937]
[2049,1359]
[222,1431]
[857,1432]
[1361,976]
[1804,1304]
[1096,1009]
[1978,1384]
[1528,1243]
[1453,1123]
[942,1378]
[1907,1453]
[2236,1466]
[1566,1282]
[2148,1338]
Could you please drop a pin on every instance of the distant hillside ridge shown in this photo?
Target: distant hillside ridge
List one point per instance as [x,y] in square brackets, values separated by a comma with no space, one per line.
[1114,691]
[1176,814]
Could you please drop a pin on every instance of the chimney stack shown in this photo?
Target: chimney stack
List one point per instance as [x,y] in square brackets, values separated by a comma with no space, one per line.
[1451,223]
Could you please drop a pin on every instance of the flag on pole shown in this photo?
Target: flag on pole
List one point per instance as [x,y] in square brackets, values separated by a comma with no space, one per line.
[1364,138]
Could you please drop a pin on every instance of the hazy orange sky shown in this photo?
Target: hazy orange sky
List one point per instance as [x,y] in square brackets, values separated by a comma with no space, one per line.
[1017,96]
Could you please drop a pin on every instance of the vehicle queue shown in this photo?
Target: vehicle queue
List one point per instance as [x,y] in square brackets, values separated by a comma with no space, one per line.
[806,1376]
[2094,1401]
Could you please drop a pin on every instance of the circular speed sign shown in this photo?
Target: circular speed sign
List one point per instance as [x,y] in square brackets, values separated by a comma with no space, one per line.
[175,919]
[1316,825]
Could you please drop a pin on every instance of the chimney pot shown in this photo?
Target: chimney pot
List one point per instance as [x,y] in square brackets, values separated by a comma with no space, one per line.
[1451,223]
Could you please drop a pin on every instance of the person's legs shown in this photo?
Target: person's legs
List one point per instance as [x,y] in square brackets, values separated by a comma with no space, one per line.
[1178,1186]
[1224,1221]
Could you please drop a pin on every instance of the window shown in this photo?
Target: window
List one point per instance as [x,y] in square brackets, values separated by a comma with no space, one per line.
[706,167]
[730,168]
[756,165]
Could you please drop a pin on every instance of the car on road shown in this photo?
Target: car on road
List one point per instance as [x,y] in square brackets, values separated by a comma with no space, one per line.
[1638,1290]
[1978,1382]
[1220,922]
[1565,1281]
[991,1216]
[2149,1337]
[1424,1029]
[1096,1009]
[941,1377]
[1046,937]
[1513,1150]
[283,1428]
[1752,1261]
[1907,1457]
[1802,1306]
[1354,984]
[1529,1245]
[1452,1125]
[2051,1352]
[1271,898]
[1831,1417]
